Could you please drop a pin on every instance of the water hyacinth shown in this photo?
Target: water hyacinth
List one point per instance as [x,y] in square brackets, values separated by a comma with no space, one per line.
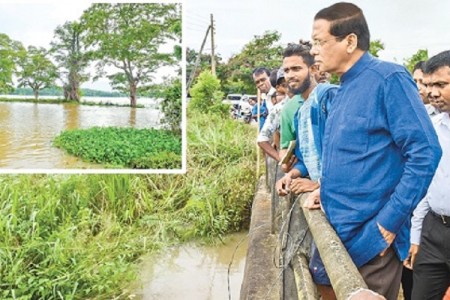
[124,147]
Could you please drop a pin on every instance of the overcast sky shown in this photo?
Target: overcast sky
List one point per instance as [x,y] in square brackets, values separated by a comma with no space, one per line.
[33,23]
[404,26]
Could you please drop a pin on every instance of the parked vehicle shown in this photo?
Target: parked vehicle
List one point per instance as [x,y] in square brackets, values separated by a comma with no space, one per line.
[233,99]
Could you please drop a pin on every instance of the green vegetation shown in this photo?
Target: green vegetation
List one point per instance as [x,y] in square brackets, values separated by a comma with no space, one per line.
[36,70]
[128,36]
[420,55]
[123,147]
[67,49]
[206,95]
[8,56]
[171,104]
[80,237]
[57,91]
[61,101]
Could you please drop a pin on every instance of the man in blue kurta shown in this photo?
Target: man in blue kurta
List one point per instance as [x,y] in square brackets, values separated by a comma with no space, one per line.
[380,150]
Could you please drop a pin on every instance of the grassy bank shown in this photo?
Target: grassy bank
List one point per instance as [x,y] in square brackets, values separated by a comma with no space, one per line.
[123,147]
[81,236]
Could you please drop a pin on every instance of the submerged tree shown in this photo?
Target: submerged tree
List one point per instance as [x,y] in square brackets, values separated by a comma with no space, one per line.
[9,51]
[128,37]
[36,70]
[67,49]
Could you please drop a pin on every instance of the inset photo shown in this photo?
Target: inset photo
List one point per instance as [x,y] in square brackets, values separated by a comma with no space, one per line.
[91,87]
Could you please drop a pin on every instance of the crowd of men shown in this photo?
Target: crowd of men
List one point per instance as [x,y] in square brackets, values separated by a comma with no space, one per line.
[374,151]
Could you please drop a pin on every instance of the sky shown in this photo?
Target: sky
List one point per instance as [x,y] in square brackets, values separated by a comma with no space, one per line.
[404,26]
[34,22]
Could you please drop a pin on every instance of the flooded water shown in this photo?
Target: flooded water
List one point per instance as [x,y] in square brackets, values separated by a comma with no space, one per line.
[27,130]
[194,272]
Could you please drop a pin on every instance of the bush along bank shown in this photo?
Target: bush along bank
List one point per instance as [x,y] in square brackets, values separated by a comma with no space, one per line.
[81,236]
[124,147]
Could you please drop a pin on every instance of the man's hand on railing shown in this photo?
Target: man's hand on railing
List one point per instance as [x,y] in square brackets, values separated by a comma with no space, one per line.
[283,185]
[302,185]
[411,259]
[388,237]
[313,200]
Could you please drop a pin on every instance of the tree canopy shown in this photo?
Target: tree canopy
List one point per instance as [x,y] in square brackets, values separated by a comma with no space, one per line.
[261,51]
[128,37]
[67,49]
[36,70]
[420,55]
[9,51]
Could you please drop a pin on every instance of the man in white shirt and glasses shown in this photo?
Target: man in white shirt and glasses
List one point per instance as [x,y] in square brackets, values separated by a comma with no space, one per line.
[430,233]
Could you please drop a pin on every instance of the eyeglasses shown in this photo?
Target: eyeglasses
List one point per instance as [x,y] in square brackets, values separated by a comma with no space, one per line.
[319,44]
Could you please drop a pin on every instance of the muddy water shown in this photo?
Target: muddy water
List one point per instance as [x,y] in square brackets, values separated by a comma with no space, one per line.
[195,272]
[27,129]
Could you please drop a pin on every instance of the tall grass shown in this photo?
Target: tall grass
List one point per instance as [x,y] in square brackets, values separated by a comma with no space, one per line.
[81,236]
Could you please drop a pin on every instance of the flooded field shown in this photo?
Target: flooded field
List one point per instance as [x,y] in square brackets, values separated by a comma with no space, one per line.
[27,130]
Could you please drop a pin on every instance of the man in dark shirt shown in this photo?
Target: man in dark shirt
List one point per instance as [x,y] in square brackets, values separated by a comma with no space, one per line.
[380,150]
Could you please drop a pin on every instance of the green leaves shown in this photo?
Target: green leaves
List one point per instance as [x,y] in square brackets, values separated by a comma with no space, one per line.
[206,93]
[68,50]
[36,70]
[128,37]
[124,147]
[9,51]
[262,51]
[420,55]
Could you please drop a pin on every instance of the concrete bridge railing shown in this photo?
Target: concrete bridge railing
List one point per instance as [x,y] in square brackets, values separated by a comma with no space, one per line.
[295,228]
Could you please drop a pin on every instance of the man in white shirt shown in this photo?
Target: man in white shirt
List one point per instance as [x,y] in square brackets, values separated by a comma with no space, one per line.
[272,123]
[430,232]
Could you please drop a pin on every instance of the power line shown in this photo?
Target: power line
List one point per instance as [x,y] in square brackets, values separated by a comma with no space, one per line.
[192,29]
[198,25]
[203,21]
[196,15]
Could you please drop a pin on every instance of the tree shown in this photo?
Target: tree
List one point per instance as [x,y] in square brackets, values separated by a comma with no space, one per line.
[171,104]
[36,70]
[206,94]
[67,49]
[420,55]
[375,47]
[9,51]
[128,37]
[262,51]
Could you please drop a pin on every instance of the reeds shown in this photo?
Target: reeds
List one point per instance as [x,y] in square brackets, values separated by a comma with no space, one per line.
[81,236]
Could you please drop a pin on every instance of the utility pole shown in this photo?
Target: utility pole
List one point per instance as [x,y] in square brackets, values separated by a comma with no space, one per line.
[197,61]
[213,60]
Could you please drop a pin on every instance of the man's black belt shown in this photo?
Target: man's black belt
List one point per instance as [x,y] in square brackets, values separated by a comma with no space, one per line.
[444,219]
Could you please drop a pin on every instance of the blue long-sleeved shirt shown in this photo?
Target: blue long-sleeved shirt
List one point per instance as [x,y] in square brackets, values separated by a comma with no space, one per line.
[380,152]
[310,123]
[263,111]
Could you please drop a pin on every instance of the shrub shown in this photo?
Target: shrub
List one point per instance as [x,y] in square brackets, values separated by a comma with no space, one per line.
[171,104]
[206,93]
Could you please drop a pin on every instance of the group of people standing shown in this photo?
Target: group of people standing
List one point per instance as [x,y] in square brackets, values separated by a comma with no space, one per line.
[374,151]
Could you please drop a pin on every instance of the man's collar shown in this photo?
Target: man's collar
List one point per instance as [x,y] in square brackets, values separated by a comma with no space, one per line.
[358,67]
[442,119]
